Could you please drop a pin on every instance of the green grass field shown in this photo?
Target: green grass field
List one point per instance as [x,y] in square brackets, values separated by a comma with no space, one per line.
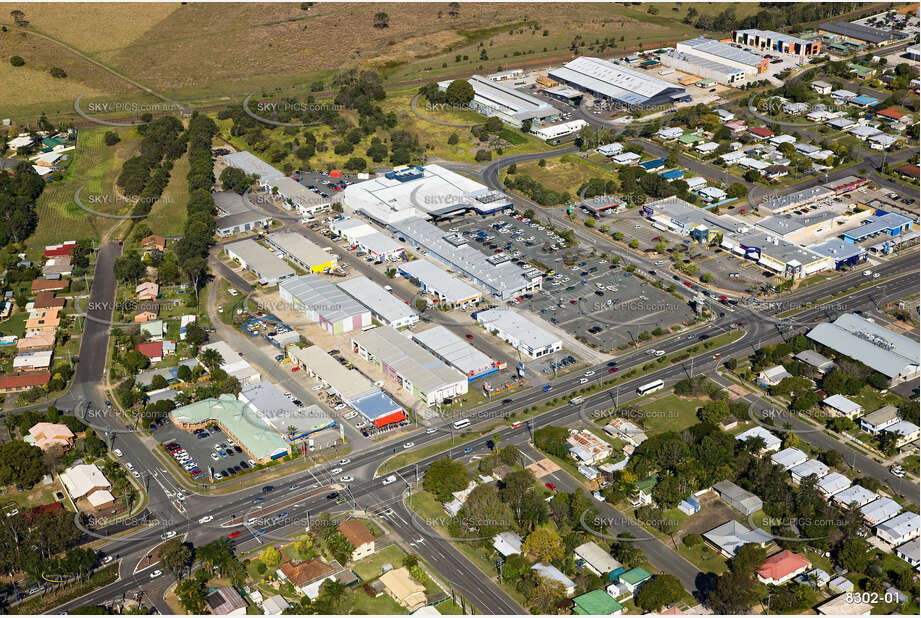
[167,216]
[670,413]
[95,167]
[566,173]
[370,568]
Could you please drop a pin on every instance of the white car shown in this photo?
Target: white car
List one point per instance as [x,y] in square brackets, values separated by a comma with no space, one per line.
[218,476]
[659,353]
[252,462]
[390,479]
[346,479]
[339,407]
[409,444]
[136,474]
[583,380]
[205,519]
[431,430]
[589,373]
[108,559]
[316,388]
[344,462]
[129,465]
[118,452]
[168,535]
[215,456]
[350,415]
[155,574]
[336,471]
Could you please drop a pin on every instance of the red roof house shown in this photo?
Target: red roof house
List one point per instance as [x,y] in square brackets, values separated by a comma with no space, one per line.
[908,170]
[151,349]
[22,382]
[50,284]
[47,300]
[65,248]
[761,132]
[891,113]
[782,567]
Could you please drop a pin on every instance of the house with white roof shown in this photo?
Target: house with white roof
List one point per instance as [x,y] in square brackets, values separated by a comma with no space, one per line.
[87,480]
[854,495]
[695,181]
[900,529]
[771,442]
[596,559]
[882,141]
[812,467]
[706,147]
[670,133]
[832,483]
[548,571]
[876,421]
[733,157]
[880,510]
[711,194]
[910,552]
[840,405]
[906,431]
[626,158]
[862,132]
[772,376]
[610,150]
[507,543]
[587,448]
[789,457]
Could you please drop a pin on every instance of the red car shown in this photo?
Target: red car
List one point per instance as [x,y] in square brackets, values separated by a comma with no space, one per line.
[573,302]
[612,370]
[689,284]
[469,336]
[233,534]
[550,486]
[296,368]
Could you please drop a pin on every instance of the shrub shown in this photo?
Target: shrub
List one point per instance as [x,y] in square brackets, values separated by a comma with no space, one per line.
[17,61]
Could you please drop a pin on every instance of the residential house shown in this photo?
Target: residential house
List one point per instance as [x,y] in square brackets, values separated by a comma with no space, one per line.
[761,133]
[88,481]
[782,567]
[910,552]
[548,571]
[154,242]
[892,114]
[47,299]
[854,495]
[880,419]
[357,533]
[736,126]
[900,529]
[880,510]
[729,537]
[302,575]
[626,430]
[844,605]
[17,383]
[596,559]
[771,442]
[48,436]
[52,285]
[839,405]
[812,467]
[772,376]
[35,360]
[43,321]
[57,267]
[821,87]
[789,457]
[225,601]
[507,543]
[596,603]
[832,484]
[634,578]
[738,498]
[586,447]
[154,329]
[906,431]
[670,133]
[274,605]
[147,290]
[909,171]
[643,491]
[404,589]
[151,349]
[840,584]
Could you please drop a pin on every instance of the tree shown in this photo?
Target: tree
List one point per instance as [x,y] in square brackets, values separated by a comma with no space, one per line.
[493,125]
[175,556]
[129,267]
[236,180]
[340,547]
[853,554]
[211,359]
[734,593]
[552,440]
[443,477]
[747,559]
[17,61]
[545,596]
[634,244]
[459,92]
[545,544]
[737,190]
[453,139]
[658,592]
[191,594]
[111,138]
[21,463]
[381,20]
[271,557]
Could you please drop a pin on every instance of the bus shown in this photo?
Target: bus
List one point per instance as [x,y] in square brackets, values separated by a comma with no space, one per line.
[652,387]
[464,422]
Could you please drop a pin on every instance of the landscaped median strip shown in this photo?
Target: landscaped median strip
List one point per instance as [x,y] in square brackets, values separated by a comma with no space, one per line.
[43,603]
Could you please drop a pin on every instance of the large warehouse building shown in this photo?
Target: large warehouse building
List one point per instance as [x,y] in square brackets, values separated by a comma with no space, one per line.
[410,365]
[429,191]
[301,251]
[497,274]
[446,288]
[711,59]
[323,302]
[519,332]
[260,261]
[893,355]
[456,352]
[253,166]
[348,385]
[768,40]
[511,106]
[361,233]
[384,306]
[858,33]
[619,85]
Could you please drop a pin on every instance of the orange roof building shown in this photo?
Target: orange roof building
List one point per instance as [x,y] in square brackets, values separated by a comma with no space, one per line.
[782,567]
[38,341]
[22,382]
[359,536]
[154,241]
[46,299]
[53,285]
[43,320]
[51,435]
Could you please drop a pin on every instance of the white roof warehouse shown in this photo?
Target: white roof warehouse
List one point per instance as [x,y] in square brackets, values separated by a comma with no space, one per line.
[260,261]
[497,274]
[456,352]
[323,302]
[383,305]
[436,281]
[513,107]
[519,332]
[301,251]
[616,83]
[416,369]
[893,355]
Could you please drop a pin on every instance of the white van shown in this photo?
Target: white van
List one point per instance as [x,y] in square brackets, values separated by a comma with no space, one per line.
[464,422]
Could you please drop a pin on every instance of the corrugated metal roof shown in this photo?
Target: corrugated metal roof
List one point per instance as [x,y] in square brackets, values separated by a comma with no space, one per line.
[611,80]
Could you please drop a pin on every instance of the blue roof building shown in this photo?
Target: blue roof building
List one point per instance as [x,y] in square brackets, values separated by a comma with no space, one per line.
[653,165]
[672,174]
[886,223]
[864,101]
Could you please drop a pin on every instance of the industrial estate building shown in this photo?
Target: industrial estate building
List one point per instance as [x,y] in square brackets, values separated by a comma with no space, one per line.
[282,414]
[361,234]
[349,385]
[446,288]
[252,165]
[895,356]
[858,33]
[410,365]
[235,216]
[617,84]
[429,191]
[294,194]
[302,252]
[497,274]
[512,106]
[384,306]
[712,59]
[456,352]
[519,332]
[323,302]
[260,261]
[768,40]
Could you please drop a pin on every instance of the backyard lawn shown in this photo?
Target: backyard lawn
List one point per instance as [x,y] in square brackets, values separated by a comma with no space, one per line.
[670,413]
[371,568]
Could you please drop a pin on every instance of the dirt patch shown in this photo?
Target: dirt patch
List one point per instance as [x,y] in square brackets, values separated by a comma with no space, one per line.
[713,512]
[736,392]
[542,468]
